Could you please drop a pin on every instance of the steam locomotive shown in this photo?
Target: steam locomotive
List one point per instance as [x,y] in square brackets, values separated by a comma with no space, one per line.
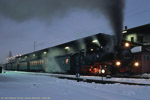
[120,61]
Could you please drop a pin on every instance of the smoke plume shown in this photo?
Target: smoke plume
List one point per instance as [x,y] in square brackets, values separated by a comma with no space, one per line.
[22,10]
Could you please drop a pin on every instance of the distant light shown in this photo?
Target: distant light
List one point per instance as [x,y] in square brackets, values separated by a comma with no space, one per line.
[127,44]
[136,64]
[33,54]
[67,48]
[25,56]
[103,71]
[124,32]
[118,63]
[45,52]
[92,49]
[20,55]
[95,41]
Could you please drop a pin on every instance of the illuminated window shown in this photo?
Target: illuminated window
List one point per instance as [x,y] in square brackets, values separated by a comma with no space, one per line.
[41,62]
[131,36]
[36,62]
[33,62]
[67,61]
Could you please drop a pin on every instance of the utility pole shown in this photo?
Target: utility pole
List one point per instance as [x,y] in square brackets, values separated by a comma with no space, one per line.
[35,44]
[10,56]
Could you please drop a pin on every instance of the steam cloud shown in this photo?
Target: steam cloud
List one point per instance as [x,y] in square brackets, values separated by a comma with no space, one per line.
[46,10]
[51,64]
[22,10]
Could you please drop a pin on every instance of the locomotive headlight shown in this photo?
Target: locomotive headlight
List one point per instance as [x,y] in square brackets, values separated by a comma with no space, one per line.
[127,44]
[136,64]
[118,63]
[103,71]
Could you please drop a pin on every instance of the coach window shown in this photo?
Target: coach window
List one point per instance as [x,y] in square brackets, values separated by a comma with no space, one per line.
[135,57]
[144,57]
[140,39]
[42,61]
[33,63]
[148,57]
[67,61]
[36,62]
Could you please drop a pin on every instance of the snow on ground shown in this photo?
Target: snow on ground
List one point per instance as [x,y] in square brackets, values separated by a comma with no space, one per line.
[26,86]
[131,80]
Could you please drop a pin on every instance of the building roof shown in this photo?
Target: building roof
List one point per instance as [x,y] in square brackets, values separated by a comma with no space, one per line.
[139,29]
[87,41]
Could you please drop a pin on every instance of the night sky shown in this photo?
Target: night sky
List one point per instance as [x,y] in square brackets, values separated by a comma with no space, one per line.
[23,22]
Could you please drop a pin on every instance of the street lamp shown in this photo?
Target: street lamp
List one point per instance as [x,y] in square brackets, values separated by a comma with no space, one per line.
[45,52]
[94,41]
[67,48]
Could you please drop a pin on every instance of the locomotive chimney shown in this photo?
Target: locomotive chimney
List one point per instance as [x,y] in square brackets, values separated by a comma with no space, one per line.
[126,27]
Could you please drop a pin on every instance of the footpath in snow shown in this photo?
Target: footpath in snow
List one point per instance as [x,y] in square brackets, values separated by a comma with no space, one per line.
[26,86]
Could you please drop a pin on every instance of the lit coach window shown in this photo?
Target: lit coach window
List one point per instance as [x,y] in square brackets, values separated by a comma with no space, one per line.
[67,61]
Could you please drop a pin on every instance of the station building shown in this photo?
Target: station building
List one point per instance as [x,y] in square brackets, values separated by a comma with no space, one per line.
[140,37]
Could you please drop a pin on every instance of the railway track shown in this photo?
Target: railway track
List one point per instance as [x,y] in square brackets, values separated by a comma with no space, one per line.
[98,81]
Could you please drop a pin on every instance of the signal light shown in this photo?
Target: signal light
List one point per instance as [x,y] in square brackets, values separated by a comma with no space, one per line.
[90,70]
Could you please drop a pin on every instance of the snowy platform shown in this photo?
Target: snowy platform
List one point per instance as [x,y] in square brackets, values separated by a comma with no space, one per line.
[27,86]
